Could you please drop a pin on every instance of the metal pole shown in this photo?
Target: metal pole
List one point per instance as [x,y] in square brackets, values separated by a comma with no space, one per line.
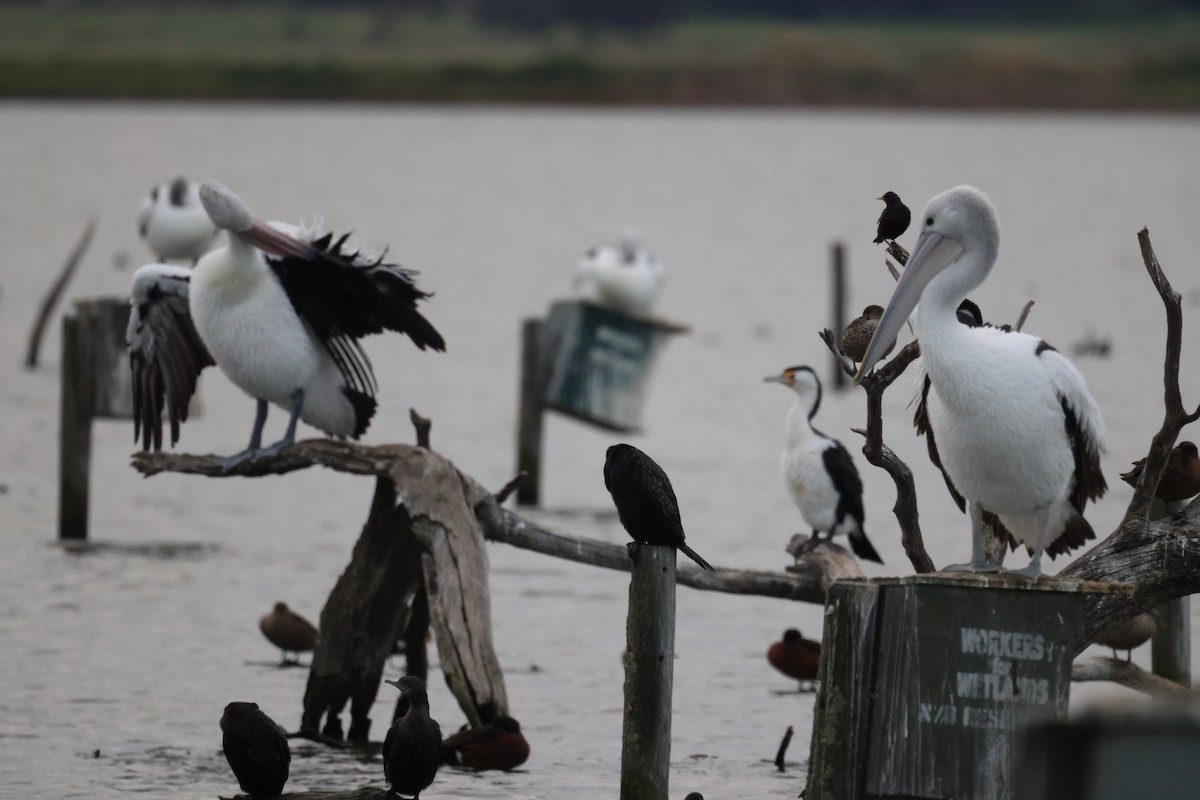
[529,415]
[649,675]
[837,309]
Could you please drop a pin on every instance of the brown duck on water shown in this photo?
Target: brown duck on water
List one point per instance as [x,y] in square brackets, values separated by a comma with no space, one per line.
[288,631]
[796,656]
[1127,635]
[412,748]
[256,748]
[500,745]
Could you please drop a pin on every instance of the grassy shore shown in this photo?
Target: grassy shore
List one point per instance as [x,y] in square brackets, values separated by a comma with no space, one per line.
[204,52]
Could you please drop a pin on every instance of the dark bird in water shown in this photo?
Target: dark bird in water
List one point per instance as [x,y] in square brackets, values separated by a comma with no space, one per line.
[795,656]
[500,745]
[858,334]
[894,219]
[645,501]
[288,631]
[256,748]
[1180,479]
[694,796]
[818,470]
[1127,635]
[412,748]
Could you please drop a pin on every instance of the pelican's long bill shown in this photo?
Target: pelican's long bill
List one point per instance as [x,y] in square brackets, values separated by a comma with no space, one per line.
[932,254]
[274,241]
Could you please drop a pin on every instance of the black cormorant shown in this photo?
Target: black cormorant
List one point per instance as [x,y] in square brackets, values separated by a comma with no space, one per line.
[256,749]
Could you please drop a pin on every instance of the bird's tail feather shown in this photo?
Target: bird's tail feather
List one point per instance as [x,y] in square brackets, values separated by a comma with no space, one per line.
[694,556]
[862,547]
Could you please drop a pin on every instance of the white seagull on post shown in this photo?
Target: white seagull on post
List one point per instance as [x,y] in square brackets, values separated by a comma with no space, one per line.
[173,222]
[818,470]
[626,276]
[280,312]
[1016,429]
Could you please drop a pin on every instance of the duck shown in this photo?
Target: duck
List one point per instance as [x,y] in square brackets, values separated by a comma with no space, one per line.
[499,746]
[796,657]
[1180,480]
[1127,635]
[288,631]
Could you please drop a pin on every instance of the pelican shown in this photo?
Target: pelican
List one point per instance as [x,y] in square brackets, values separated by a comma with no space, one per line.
[173,222]
[1017,431]
[626,276]
[280,311]
[818,470]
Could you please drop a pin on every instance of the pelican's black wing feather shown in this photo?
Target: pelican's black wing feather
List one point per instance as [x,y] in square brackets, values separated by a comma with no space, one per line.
[166,353]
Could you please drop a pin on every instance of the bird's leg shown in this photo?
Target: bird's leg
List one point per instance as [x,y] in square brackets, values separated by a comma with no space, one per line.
[979,562]
[260,419]
[1034,570]
[289,435]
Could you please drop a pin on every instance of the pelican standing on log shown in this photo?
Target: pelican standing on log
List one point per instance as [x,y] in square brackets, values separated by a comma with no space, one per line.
[1017,431]
[280,311]
[173,222]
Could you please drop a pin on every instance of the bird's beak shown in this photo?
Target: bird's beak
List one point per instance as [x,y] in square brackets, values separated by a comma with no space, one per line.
[269,240]
[878,198]
[932,254]
[775,379]
[396,684]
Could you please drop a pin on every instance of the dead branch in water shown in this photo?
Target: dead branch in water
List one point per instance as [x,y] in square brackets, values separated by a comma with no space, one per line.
[55,292]
[1125,673]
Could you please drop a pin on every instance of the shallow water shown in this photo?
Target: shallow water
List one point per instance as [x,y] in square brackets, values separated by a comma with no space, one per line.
[118,661]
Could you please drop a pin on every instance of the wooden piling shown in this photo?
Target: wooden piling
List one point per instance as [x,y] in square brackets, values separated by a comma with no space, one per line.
[529,411]
[649,675]
[1171,647]
[95,383]
[837,309]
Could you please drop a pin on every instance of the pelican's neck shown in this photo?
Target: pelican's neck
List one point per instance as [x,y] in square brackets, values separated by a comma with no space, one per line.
[937,317]
[235,271]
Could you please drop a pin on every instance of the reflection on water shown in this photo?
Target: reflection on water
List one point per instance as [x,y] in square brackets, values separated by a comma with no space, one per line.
[131,647]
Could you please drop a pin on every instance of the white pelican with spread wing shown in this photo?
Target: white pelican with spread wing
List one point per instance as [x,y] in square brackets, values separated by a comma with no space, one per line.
[280,311]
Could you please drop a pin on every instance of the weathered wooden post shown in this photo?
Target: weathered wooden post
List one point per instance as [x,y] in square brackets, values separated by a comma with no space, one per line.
[649,675]
[837,308]
[926,679]
[589,362]
[95,384]
[1171,647]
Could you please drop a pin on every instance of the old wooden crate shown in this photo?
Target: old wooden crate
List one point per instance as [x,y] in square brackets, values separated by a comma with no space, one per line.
[926,680]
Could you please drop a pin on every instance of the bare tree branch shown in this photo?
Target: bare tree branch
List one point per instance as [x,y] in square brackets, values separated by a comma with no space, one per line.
[55,292]
[1124,673]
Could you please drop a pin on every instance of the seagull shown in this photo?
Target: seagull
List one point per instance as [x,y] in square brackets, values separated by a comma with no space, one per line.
[645,501]
[626,276]
[173,222]
[1018,433]
[256,748]
[894,220]
[413,745]
[818,470]
[288,631]
[280,311]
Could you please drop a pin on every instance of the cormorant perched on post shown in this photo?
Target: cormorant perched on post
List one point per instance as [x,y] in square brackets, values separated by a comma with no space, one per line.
[795,656]
[413,745]
[818,470]
[288,631]
[256,748]
[894,219]
[645,501]
[500,745]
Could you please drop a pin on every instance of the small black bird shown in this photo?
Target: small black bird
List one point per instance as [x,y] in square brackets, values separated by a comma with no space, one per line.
[256,749]
[412,747]
[645,501]
[894,219]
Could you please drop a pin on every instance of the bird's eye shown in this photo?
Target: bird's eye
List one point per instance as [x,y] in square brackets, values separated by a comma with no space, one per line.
[929,221]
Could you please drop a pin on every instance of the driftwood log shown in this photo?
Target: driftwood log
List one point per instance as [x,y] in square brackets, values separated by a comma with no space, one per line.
[1160,557]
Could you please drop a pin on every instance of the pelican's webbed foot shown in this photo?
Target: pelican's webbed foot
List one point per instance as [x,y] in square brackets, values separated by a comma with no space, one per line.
[229,462]
[1032,572]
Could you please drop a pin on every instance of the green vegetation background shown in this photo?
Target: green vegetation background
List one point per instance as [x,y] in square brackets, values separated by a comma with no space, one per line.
[395,52]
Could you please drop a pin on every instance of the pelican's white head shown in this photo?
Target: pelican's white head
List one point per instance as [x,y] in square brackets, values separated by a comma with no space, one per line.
[804,382]
[959,229]
[224,208]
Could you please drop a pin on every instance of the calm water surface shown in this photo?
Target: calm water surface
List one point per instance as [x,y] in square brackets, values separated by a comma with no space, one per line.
[117,663]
